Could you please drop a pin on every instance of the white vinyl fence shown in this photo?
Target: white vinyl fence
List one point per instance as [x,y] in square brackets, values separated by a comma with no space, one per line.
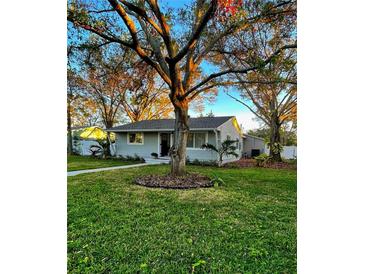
[83,147]
[289,152]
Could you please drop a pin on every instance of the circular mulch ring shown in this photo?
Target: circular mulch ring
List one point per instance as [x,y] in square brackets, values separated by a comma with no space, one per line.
[188,181]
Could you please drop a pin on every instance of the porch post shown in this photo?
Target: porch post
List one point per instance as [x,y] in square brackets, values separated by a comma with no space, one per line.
[158,144]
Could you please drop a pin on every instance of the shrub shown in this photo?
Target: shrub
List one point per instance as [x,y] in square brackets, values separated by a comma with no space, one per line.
[276,147]
[262,160]
[121,157]
[135,158]
[129,158]
[96,150]
[227,148]
[290,161]
[76,146]
[154,155]
[196,162]
[217,181]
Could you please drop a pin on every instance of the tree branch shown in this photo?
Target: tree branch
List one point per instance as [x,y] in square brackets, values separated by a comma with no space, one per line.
[199,29]
[141,12]
[240,71]
[164,26]
[253,111]
[133,31]
[99,32]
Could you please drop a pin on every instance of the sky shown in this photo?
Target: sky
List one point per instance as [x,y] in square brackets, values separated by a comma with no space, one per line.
[226,106]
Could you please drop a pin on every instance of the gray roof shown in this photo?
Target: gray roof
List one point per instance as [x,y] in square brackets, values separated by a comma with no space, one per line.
[252,136]
[168,124]
[82,127]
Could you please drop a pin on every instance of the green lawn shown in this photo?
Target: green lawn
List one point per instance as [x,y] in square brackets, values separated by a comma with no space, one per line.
[87,162]
[248,225]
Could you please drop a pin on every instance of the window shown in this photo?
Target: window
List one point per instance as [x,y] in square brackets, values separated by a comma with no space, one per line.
[190,142]
[196,140]
[135,138]
[199,140]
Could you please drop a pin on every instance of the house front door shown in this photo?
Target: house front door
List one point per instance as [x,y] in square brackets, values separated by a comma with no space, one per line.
[164,144]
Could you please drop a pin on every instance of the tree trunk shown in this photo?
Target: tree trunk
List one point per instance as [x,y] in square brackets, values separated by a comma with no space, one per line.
[275,139]
[107,148]
[178,149]
[220,160]
[69,132]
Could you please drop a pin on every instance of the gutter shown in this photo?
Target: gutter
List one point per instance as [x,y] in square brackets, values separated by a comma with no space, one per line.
[216,142]
[158,129]
[244,136]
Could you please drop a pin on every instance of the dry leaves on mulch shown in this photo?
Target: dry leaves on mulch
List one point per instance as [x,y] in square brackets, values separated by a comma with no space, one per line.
[192,180]
[252,163]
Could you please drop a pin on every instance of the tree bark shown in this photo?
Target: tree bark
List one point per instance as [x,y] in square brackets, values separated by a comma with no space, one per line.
[107,148]
[274,139]
[69,132]
[220,159]
[107,152]
[178,149]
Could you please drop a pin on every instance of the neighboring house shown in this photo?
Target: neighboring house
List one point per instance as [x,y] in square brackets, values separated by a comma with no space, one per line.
[252,146]
[86,136]
[156,136]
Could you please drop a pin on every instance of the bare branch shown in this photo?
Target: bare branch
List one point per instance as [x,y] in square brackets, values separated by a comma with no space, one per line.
[199,29]
[240,71]
[251,109]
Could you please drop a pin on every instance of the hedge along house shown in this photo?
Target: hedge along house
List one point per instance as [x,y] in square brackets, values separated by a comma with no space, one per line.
[156,136]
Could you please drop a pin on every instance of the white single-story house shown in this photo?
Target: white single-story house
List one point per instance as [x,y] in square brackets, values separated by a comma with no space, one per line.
[156,136]
[252,145]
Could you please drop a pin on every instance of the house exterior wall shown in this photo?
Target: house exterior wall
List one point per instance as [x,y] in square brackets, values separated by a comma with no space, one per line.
[203,154]
[250,143]
[151,143]
[229,129]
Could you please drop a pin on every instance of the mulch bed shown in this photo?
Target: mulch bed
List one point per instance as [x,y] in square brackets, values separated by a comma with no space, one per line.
[192,180]
[242,163]
[252,163]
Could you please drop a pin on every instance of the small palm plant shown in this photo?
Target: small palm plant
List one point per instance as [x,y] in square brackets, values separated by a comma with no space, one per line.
[226,148]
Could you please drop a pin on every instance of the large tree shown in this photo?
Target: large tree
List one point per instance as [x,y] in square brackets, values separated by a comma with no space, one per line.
[81,110]
[269,92]
[146,97]
[106,75]
[176,51]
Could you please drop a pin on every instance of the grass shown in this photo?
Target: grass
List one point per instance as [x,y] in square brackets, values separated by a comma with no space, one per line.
[247,225]
[87,162]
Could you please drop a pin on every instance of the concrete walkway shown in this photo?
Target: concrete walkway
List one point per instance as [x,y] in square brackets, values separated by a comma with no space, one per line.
[77,172]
